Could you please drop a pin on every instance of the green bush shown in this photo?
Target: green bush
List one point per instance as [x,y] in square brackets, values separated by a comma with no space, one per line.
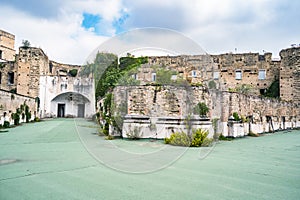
[16,118]
[178,139]
[109,137]
[201,109]
[73,72]
[198,139]
[222,137]
[6,124]
[199,136]
[236,116]
[36,119]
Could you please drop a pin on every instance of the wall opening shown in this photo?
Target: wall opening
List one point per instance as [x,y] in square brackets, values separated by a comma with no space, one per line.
[11,78]
[80,111]
[61,110]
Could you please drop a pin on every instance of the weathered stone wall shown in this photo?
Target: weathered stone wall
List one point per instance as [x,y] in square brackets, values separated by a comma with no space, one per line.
[10,102]
[290,75]
[7,43]
[264,114]
[30,61]
[8,76]
[171,104]
[249,65]
[59,69]
[194,68]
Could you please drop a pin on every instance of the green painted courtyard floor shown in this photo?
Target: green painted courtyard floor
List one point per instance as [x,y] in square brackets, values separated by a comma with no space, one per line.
[55,159]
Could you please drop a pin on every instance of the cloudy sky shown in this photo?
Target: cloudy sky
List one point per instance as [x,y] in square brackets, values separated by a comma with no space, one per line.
[69,30]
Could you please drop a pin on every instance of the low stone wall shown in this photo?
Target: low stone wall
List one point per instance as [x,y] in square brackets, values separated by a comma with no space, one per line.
[9,102]
[169,106]
[161,127]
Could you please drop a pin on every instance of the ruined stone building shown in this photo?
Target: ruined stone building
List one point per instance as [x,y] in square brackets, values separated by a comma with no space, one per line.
[218,81]
[57,89]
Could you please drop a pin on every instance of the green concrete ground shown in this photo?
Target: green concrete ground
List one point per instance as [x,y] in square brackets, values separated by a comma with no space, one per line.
[56,160]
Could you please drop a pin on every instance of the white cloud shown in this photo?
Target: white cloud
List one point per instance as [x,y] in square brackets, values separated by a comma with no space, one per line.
[219,26]
[63,40]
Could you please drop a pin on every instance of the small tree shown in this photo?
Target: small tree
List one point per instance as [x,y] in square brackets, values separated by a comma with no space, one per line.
[26,43]
[201,109]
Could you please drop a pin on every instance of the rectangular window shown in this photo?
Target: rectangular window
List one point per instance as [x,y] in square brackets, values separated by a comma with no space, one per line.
[261,74]
[0,54]
[11,78]
[216,75]
[153,76]
[194,73]
[134,76]
[238,75]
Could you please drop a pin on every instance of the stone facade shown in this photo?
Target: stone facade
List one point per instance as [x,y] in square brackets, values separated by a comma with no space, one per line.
[290,75]
[165,103]
[57,88]
[7,45]
[171,108]
[10,102]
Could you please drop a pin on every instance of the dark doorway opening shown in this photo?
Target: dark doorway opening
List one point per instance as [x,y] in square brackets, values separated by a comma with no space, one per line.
[61,110]
[81,109]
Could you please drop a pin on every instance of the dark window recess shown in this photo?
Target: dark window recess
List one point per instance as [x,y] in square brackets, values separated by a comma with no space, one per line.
[247,70]
[11,77]
[224,70]
[0,54]
[50,67]
[261,58]
[0,77]
[262,91]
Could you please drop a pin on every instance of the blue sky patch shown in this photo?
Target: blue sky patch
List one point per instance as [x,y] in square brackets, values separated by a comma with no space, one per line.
[118,23]
[90,21]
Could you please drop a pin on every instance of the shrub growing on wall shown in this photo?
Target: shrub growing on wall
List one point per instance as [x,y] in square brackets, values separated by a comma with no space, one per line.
[201,109]
[73,72]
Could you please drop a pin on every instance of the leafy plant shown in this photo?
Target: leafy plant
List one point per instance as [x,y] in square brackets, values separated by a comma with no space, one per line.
[6,124]
[73,72]
[236,116]
[201,109]
[16,118]
[178,139]
[273,90]
[26,43]
[199,138]
[212,84]
[109,137]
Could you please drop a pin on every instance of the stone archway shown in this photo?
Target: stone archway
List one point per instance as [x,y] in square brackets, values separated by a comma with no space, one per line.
[70,104]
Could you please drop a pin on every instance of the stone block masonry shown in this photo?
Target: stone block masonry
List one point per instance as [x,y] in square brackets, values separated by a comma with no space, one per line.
[9,102]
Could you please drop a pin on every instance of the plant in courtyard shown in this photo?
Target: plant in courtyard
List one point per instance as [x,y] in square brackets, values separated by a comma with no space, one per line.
[109,137]
[27,113]
[236,116]
[178,139]
[199,138]
[6,124]
[201,109]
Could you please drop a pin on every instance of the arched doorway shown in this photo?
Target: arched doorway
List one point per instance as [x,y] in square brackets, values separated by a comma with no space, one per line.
[69,104]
